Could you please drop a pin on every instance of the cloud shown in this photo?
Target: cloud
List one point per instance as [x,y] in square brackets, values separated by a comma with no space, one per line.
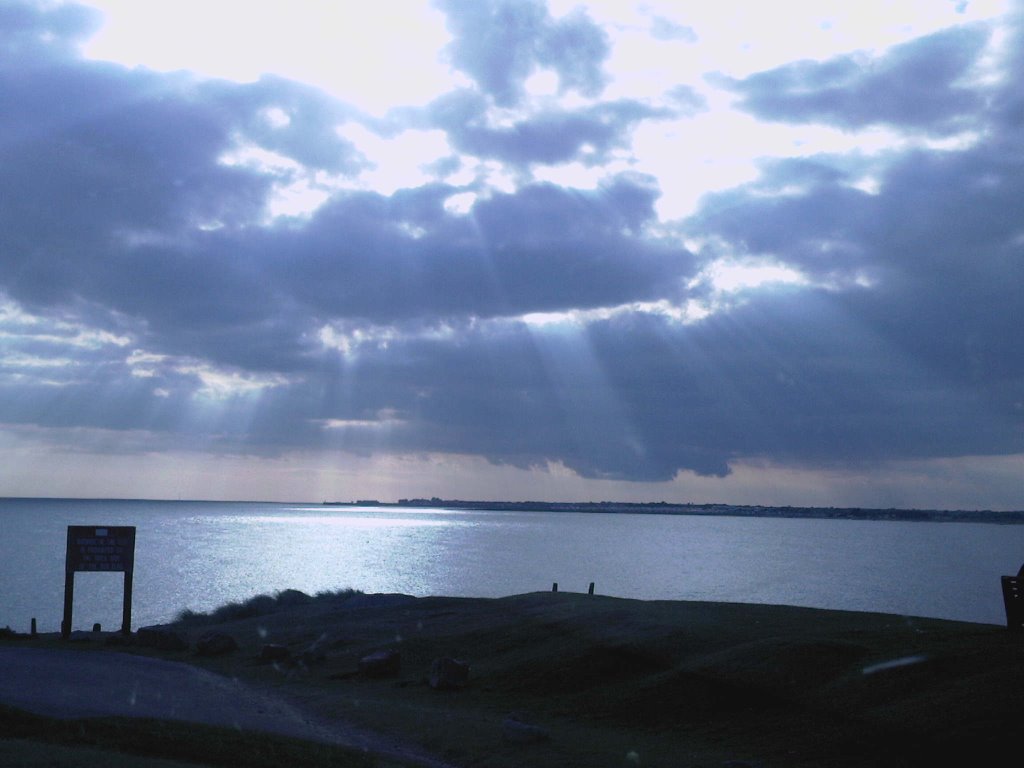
[500,43]
[542,248]
[917,86]
[546,137]
[935,249]
[666,29]
[294,120]
[32,31]
[688,101]
[922,357]
[148,291]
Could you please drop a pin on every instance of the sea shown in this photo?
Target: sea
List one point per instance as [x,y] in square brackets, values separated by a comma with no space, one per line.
[200,555]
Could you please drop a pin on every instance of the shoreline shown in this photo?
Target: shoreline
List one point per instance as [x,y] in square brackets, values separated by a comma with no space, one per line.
[984,516]
[987,516]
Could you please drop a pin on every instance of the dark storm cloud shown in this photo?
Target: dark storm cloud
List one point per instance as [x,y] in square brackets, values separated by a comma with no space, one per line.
[926,361]
[915,85]
[112,154]
[109,172]
[817,231]
[550,137]
[500,43]
[641,397]
[116,213]
[54,30]
[1009,101]
[256,297]
[289,118]
[118,207]
[941,241]
[543,248]
[941,248]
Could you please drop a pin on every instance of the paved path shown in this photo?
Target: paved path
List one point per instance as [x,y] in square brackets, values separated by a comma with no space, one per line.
[73,684]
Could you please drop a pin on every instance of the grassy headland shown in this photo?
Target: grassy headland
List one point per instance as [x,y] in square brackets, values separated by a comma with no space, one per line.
[614,682]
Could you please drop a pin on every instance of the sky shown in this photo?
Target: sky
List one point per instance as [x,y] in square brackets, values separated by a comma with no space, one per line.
[752,253]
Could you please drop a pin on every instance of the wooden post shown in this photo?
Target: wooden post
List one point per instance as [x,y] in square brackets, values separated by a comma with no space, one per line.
[33,631]
[591,590]
[69,588]
[554,587]
[69,600]
[126,613]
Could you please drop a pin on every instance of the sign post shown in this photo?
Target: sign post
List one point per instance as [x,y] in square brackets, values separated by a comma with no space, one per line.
[99,548]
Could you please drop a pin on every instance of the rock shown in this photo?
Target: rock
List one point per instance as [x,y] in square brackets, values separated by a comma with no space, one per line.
[272,652]
[312,656]
[381,664]
[515,731]
[160,637]
[448,674]
[215,644]
[315,653]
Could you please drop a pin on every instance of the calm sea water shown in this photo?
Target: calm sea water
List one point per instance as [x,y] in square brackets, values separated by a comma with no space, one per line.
[200,555]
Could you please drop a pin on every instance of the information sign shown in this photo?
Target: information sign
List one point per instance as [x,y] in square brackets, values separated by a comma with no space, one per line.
[99,548]
[92,548]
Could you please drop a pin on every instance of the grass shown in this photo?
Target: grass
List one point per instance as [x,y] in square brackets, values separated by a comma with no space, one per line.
[261,605]
[137,741]
[625,682]
[677,684]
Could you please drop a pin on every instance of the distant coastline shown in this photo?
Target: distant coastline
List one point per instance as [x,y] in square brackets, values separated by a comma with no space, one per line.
[1005,517]
[725,510]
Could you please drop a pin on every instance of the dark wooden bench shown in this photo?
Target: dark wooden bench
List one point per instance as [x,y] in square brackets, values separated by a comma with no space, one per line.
[1013,600]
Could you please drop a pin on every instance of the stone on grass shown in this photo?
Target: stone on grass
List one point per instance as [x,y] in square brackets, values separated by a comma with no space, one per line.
[272,652]
[381,664]
[312,656]
[161,638]
[448,674]
[215,644]
[515,731]
[315,653]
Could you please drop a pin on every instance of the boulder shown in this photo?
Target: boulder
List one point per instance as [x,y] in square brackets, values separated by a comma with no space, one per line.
[160,637]
[515,731]
[215,644]
[312,656]
[381,664]
[315,653]
[272,652]
[448,674]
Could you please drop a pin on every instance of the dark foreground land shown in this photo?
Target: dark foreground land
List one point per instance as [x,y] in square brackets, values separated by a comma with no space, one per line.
[559,679]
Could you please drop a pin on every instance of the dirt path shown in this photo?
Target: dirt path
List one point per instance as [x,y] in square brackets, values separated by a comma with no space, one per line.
[72,684]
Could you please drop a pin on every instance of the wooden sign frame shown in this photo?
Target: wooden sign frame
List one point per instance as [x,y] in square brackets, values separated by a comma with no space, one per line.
[99,548]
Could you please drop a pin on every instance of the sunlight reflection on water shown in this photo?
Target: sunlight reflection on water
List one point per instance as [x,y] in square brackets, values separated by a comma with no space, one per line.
[355,521]
[200,555]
